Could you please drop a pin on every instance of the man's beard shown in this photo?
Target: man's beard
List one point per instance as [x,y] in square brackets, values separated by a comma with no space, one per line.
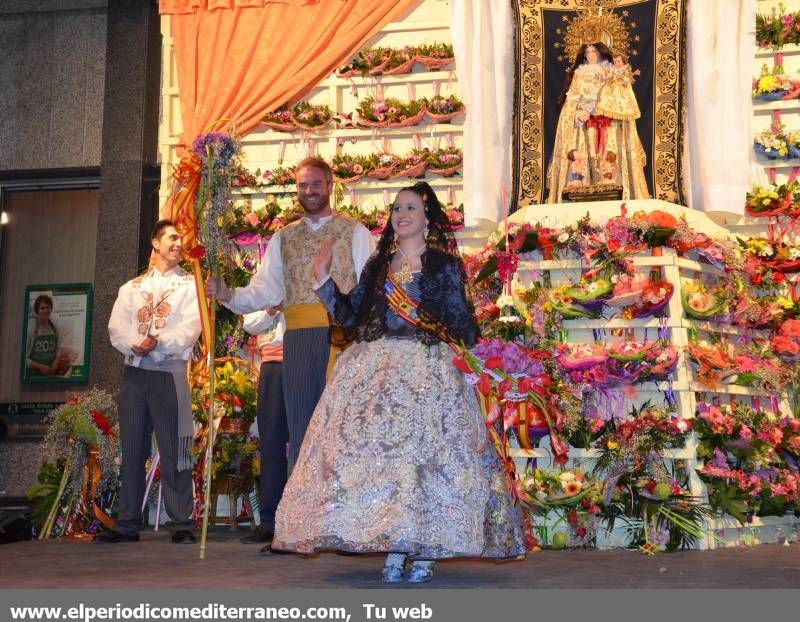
[314,205]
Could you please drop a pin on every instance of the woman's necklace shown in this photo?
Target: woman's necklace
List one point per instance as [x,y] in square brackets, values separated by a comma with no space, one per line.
[404,275]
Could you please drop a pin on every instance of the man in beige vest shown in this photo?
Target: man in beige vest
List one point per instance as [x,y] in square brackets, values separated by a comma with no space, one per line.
[285,276]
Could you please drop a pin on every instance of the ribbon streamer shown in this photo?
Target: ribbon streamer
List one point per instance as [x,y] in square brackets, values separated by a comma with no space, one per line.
[776,121]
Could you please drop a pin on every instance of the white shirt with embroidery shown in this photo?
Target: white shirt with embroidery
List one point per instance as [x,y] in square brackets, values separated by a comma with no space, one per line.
[162,305]
[266,287]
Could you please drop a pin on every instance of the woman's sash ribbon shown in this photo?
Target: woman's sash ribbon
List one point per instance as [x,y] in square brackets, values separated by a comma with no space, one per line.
[408,309]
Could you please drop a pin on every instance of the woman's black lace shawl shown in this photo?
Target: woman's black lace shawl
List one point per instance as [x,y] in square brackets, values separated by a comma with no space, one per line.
[362,312]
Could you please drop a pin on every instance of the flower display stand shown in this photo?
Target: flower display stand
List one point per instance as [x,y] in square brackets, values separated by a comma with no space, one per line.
[234,488]
[684,386]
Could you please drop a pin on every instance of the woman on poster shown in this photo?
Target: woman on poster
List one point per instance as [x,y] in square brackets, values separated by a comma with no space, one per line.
[584,130]
[45,356]
[396,457]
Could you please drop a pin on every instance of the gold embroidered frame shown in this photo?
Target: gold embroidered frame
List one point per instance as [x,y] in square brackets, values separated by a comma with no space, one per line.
[665,176]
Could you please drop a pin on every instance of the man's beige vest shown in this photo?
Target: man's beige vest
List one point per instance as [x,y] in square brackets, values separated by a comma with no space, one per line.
[299,244]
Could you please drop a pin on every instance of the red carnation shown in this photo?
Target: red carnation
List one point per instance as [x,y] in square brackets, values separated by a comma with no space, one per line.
[494,362]
[461,364]
[484,385]
[101,422]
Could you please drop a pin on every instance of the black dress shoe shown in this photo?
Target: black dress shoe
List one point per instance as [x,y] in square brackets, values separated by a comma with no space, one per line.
[183,536]
[112,537]
[260,535]
[268,550]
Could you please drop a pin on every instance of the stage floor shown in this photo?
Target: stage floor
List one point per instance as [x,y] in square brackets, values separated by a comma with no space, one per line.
[156,562]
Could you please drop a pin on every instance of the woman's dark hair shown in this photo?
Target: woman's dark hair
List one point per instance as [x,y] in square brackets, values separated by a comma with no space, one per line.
[440,242]
[440,235]
[603,52]
[44,298]
[40,300]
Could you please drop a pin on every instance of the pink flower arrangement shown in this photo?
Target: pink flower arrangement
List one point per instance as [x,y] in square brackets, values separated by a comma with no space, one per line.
[630,350]
[628,289]
[719,422]
[786,343]
[578,357]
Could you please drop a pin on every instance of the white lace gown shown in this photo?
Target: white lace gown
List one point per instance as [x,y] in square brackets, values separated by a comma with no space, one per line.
[396,459]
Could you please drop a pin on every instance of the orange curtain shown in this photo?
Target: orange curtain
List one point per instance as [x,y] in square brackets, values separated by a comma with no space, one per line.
[238,59]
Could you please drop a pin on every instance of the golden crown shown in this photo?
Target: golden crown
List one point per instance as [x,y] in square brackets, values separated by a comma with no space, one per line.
[595,22]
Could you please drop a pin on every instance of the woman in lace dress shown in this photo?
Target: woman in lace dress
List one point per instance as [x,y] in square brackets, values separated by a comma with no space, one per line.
[396,457]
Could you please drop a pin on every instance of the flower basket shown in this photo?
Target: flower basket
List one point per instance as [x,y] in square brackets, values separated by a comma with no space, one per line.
[410,120]
[414,172]
[385,172]
[311,128]
[434,63]
[763,214]
[646,308]
[664,364]
[347,180]
[771,97]
[280,127]
[379,69]
[234,425]
[349,73]
[630,350]
[445,117]
[368,123]
[405,67]
[228,484]
[447,172]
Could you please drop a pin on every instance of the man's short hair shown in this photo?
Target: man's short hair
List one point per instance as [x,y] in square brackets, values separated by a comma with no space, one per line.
[320,165]
[158,228]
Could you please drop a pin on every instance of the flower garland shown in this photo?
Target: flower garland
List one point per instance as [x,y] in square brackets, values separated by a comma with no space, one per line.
[77,483]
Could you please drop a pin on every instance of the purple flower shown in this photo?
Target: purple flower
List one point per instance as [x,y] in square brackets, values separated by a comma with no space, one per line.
[218,144]
[719,461]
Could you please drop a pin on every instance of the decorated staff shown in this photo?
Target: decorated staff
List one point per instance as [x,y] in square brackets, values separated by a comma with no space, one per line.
[201,208]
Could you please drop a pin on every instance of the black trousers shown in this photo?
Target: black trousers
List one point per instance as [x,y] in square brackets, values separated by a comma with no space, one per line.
[273,431]
[305,362]
[148,403]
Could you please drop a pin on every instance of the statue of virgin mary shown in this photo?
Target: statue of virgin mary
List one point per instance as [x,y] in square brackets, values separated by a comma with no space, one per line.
[594,150]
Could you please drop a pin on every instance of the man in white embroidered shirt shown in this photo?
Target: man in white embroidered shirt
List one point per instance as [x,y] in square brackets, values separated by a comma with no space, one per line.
[285,276]
[155,323]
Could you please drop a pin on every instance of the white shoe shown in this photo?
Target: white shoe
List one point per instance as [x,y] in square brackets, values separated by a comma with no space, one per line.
[393,568]
[420,572]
